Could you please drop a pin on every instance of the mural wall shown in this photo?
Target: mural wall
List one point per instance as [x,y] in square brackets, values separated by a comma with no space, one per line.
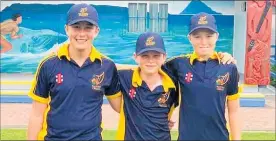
[42,28]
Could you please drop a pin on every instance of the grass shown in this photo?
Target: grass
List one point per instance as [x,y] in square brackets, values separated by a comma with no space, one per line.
[20,134]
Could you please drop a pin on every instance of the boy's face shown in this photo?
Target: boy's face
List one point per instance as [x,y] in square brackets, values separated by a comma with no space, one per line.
[81,34]
[203,41]
[150,62]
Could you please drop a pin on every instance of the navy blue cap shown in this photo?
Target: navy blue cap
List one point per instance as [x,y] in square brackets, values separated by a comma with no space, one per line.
[82,12]
[203,21]
[150,41]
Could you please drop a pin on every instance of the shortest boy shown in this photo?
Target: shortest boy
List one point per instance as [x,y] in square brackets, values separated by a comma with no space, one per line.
[148,93]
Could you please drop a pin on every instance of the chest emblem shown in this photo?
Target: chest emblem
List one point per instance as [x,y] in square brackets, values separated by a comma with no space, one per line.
[221,81]
[189,77]
[163,99]
[59,78]
[97,80]
[132,93]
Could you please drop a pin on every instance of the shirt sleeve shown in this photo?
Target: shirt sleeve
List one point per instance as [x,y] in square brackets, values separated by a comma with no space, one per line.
[113,90]
[232,89]
[40,88]
[170,68]
[175,102]
[175,97]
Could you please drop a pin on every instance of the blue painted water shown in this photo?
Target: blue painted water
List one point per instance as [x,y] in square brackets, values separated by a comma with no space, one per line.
[43,32]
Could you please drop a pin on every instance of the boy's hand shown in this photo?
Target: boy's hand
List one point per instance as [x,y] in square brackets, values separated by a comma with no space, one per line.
[227,58]
[171,124]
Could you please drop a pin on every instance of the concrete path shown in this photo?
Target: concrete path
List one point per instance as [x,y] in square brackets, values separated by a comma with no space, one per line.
[254,119]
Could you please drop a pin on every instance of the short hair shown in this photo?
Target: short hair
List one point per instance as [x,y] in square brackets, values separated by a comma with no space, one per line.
[15,16]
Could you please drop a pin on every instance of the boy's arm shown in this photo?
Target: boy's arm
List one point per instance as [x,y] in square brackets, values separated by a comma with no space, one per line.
[233,104]
[234,118]
[124,66]
[39,92]
[36,120]
[14,33]
[113,92]
[116,102]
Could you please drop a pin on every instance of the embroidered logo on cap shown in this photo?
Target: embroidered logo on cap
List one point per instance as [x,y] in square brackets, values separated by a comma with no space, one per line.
[202,20]
[83,12]
[150,41]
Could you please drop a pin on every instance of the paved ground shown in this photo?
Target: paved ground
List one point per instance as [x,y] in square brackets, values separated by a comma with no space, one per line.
[254,119]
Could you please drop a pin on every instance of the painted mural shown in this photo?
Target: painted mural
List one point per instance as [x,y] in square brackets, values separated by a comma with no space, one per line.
[42,28]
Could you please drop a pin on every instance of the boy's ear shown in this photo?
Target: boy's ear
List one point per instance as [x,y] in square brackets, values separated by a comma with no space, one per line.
[66,29]
[135,58]
[164,58]
[189,37]
[97,31]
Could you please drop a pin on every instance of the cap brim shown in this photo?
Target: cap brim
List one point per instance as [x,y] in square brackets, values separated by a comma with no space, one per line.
[80,20]
[203,27]
[151,49]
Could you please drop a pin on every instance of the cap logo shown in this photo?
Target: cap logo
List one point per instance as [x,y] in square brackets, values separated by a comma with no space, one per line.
[83,12]
[150,41]
[202,20]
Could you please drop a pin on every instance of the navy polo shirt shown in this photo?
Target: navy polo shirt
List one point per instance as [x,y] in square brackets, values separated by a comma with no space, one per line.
[144,113]
[204,86]
[74,94]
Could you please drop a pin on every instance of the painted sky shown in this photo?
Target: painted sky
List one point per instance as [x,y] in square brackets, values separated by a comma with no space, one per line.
[175,7]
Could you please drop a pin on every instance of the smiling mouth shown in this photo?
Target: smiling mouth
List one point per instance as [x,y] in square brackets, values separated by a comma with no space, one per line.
[81,40]
[150,66]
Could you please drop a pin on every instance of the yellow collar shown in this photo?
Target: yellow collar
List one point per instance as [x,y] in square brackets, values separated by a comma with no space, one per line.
[195,56]
[63,51]
[166,80]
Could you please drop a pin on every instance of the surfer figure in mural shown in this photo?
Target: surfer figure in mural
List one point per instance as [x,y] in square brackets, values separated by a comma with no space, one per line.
[9,26]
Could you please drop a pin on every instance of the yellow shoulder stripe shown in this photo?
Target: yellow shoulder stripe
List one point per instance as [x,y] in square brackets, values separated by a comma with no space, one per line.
[114,96]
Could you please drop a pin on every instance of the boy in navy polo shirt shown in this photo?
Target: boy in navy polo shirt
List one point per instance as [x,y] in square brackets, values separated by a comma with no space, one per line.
[148,93]
[68,88]
[206,86]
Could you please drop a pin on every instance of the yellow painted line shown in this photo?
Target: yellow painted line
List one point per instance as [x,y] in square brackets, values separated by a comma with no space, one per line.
[253,95]
[8,92]
[16,82]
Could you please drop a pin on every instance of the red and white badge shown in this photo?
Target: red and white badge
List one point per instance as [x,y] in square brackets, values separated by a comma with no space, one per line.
[189,77]
[59,78]
[132,93]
